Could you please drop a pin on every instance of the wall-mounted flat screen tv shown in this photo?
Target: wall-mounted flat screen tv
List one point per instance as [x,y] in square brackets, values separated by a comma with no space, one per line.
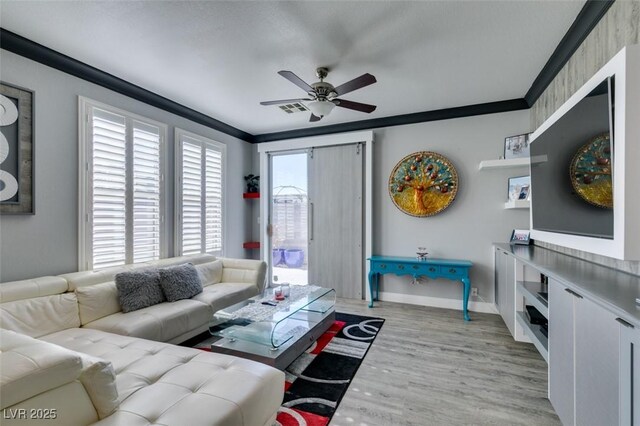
[571,169]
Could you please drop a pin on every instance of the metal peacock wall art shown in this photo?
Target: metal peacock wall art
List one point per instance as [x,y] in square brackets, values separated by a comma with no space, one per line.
[423,184]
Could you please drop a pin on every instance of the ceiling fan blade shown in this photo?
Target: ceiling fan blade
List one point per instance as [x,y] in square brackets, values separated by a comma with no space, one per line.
[284,101]
[314,118]
[357,106]
[296,80]
[355,84]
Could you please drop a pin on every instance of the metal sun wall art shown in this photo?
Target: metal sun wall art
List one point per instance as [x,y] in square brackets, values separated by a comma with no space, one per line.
[423,184]
[591,172]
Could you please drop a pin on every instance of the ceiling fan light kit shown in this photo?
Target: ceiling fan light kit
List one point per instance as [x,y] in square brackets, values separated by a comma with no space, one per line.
[324,97]
[320,108]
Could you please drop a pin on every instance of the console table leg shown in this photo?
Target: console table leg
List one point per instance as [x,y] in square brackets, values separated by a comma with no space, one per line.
[371,278]
[465,298]
[377,278]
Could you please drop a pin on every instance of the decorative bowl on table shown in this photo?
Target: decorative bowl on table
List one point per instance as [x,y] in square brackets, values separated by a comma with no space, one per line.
[422,253]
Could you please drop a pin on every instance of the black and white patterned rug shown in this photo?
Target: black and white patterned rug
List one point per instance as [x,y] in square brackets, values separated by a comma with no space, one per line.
[318,379]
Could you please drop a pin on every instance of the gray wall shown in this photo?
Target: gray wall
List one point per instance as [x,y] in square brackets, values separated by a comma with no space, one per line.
[472,222]
[47,243]
[618,28]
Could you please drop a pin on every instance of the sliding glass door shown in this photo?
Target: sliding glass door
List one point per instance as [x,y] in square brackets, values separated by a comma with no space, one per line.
[315,218]
[289,210]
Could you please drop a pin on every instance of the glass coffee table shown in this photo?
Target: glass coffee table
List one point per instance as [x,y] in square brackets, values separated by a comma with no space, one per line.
[274,332]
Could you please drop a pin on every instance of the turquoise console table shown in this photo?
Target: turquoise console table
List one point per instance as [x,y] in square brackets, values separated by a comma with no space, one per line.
[456,270]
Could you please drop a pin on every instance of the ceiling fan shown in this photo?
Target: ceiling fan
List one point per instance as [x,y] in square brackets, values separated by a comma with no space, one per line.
[323,96]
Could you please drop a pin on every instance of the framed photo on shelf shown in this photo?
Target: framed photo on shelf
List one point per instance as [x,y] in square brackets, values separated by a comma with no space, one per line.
[516,146]
[518,188]
[520,236]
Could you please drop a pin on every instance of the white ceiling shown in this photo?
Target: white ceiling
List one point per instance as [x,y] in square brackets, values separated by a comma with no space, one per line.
[221,57]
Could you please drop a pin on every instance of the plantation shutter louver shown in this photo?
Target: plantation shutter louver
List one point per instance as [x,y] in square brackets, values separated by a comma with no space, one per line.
[122,208]
[191,198]
[201,210]
[108,209]
[146,192]
[213,190]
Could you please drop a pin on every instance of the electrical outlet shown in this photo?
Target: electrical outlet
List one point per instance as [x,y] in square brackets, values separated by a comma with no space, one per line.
[474,291]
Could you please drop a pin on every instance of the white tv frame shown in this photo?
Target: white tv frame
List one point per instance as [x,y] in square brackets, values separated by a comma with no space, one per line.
[625,245]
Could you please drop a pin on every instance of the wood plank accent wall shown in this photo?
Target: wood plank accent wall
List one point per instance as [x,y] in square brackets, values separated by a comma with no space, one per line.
[618,28]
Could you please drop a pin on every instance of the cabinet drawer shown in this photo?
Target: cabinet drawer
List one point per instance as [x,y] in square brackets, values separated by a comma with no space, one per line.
[418,269]
[424,269]
[382,267]
[398,268]
[452,271]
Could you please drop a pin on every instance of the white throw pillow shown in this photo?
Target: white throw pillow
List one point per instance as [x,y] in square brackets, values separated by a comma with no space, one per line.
[99,380]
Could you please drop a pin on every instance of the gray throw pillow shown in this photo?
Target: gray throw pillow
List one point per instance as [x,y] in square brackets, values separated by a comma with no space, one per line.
[138,289]
[180,282]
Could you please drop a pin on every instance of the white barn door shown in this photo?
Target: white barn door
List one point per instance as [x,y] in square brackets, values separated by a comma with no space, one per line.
[336,255]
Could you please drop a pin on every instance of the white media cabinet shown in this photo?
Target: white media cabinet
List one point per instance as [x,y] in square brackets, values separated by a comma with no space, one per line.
[593,344]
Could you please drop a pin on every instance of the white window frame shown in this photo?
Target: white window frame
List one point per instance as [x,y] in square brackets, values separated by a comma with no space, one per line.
[85,105]
[179,133]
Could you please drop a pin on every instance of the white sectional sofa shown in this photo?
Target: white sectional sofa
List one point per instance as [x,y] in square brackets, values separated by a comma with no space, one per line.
[66,346]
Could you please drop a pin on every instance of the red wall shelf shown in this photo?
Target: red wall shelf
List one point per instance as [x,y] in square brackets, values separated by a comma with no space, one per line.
[251,195]
[251,245]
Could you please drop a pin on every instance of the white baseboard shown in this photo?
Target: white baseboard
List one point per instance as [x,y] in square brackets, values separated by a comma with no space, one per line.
[438,302]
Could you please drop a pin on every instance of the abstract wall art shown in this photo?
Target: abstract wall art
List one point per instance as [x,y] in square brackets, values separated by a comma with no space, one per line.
[16,150]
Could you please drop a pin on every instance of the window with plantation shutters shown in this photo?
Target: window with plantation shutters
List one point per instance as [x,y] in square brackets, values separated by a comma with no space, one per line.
[199,194]
[146,193]
[109,192]
[122,187]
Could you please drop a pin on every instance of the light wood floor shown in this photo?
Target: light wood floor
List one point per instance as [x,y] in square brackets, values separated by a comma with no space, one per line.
[429,367]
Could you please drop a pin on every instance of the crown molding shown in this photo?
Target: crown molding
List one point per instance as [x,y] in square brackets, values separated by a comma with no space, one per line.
[398,120]
[29,49]
[589,16]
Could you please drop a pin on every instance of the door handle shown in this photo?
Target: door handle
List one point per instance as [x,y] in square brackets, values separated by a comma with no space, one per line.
[310,221]
[573,293]
[625,323]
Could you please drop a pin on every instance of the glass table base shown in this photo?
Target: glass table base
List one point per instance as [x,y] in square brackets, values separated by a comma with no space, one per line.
[265,321]
[312,326]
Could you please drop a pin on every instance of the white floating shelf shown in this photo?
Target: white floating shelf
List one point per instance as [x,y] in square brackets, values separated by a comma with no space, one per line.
[517,204]
[503,164]
[511,162]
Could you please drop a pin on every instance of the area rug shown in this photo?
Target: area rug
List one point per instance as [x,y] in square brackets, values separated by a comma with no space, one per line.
[318,379]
